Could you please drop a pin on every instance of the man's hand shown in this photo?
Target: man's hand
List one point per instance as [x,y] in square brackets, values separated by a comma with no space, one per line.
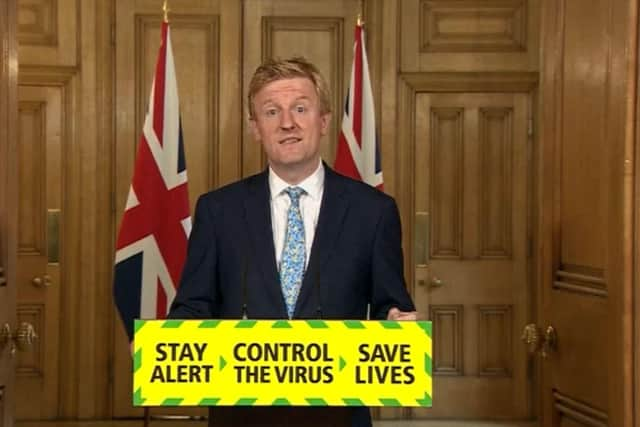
[395,314]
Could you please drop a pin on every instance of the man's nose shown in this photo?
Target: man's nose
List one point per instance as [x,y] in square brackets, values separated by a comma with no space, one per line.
[286,120]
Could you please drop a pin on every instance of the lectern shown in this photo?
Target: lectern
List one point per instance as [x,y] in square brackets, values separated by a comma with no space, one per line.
[230,416]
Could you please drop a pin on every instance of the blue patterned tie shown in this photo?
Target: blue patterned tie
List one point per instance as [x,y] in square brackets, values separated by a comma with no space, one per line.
[293,253]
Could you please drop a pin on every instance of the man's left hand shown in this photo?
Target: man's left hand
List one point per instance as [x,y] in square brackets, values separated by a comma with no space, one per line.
[395,314]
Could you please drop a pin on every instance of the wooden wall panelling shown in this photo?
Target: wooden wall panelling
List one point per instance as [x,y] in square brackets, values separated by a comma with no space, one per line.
[48,32]
[320,31]
[635,160]
[623,25]
[586,222]
[206,46]
[474,35]
[386,53]
[93,332]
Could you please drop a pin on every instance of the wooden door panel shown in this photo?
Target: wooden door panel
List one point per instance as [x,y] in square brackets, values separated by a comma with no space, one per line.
[48,32]
[471,189]
[41,180]
[473,35]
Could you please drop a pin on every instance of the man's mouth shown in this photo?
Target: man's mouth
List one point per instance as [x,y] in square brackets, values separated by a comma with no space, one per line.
[290,140]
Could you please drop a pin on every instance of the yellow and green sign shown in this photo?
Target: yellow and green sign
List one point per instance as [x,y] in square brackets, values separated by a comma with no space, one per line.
[282,362]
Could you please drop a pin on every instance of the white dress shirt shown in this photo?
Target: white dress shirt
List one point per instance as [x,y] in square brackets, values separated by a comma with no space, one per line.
[309,208]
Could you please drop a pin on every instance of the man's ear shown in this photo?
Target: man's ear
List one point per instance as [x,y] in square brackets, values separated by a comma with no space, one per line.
[325,120]
[254,129]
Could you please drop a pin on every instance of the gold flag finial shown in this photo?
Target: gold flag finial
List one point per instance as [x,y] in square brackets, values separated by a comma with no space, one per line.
[165,9]
[359,21]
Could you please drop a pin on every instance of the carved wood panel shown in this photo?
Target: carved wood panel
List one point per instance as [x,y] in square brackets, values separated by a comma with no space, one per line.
[48,32]
[448,340]
[495,341]
[469,35]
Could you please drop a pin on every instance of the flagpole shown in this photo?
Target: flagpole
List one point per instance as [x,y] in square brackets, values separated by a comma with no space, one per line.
[359,21]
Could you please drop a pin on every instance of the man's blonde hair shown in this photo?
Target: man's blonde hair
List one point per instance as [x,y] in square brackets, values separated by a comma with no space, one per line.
[278,69]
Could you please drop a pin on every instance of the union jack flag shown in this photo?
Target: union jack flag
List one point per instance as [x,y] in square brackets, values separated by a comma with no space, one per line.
[358,153]
[152,241]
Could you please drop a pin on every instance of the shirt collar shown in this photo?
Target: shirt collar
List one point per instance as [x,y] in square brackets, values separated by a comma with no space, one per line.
[312,185]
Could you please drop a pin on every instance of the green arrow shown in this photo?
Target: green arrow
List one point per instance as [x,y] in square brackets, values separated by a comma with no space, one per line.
[317,324]
[426,327]
[426,401]
[246,401]
[172,401]
[390,402]
[245,324]
[137,360]
[138,400]
[281,324]
[353,324]
[223,363]
[138,324]
[391,324]
[209,401]
[427,364]
[209,324]
[172,324]
[343,363]
[352,401]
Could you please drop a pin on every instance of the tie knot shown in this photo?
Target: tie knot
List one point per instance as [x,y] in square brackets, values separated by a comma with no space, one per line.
[294,194]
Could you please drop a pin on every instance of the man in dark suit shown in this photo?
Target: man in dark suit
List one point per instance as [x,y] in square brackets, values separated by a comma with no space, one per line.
[295,241]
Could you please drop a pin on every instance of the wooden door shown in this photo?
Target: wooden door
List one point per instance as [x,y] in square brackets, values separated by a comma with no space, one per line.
[8,108]
[206,47]
[42,157]
[586,170]
[471,209]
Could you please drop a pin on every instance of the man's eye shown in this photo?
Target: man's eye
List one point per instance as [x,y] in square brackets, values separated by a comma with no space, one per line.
[271,112]
[300,109]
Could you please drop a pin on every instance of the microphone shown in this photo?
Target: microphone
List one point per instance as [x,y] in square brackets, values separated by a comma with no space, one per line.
[243,284]
[318,298]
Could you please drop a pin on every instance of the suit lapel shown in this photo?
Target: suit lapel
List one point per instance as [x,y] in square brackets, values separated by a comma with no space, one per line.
[330,220]
[258,218]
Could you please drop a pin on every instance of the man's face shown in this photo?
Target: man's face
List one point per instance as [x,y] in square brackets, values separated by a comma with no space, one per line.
[288,123]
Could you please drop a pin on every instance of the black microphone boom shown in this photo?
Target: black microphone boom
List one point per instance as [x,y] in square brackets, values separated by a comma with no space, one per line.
[243,283]
[318,297]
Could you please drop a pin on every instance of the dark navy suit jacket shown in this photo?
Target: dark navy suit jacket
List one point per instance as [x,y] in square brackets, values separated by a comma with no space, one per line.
[356,258]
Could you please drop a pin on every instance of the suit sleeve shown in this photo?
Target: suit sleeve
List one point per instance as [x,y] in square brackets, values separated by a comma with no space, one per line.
[387,273]
[198,289]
